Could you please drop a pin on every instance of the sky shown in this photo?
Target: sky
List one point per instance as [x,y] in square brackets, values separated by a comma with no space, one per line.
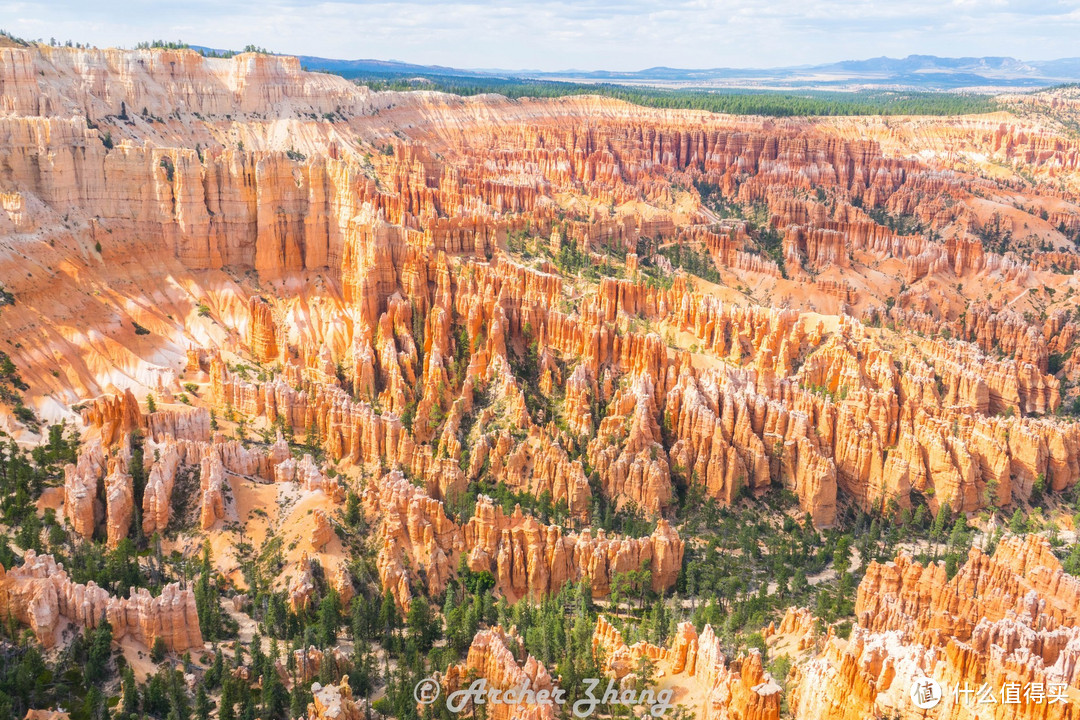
[554,35]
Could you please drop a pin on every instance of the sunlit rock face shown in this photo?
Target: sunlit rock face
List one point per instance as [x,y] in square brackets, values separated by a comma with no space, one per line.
[1010,617]
[432,291]
[40,594]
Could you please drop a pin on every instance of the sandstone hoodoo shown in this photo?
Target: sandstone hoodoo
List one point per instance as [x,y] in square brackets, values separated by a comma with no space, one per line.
[310,392]
[40,594]
[525,557]
[695,666]
[1009,619]
[492,658]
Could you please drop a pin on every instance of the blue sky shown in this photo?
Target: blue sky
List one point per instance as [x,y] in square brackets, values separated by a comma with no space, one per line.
[559,34]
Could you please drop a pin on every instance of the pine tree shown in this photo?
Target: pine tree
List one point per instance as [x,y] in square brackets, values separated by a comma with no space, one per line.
[311,437]
[129,704]
[454,615]
[360,626]
[99,652]
[258,658]
[158,651]
[940,520]
[275,698]
[842,554]
[298,700]
[422,625]
[1071,563]
[155,696]
[958,537]
[920,517]
[352,508]
[213,676]
[178,700]
[94,704]
[1018,524]
[329,619]
[388,619]
[277,617]
[226,709]
[362,678]
[122,568]
[799,583]
[202,704]
[207,599]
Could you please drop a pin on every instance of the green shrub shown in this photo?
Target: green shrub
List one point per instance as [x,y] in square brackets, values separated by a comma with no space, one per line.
[157,653]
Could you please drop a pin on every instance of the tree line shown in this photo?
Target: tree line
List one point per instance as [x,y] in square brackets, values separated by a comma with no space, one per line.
[772,103]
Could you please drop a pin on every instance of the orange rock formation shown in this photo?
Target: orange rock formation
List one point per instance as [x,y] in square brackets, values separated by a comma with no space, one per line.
[336,702]
[408,321]
[715,689]
[39,594]
[526,558]
[492,657]
[1010,617]
[889,315]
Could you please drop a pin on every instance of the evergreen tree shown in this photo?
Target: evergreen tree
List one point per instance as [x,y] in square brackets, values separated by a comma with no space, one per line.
[155,696]
[158,651]
[178,700]
[207,598]
[276,621]
[298,700]
[94,704]
[275,698]
[129,704]
[940,520]
[202,704]
[329,619]
[423,626]
[1018,524]
[364,671]
[227,704]
[364,619]
[799,583]
[919,521]
[99,652]
[1071,563]
[258,658]
[352,508]
[213,676]
[28,536]
[388,619]
[842,554]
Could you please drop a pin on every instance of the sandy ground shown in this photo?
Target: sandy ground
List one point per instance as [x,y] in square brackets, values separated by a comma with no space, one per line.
[51,499]
[138,657]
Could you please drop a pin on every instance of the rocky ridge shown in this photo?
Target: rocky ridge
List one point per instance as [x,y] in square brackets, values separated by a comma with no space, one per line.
[40,594]
[1006,618]
[525,557]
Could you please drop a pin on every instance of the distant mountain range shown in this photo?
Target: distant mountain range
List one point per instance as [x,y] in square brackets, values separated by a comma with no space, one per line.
[922,72]
[915,72]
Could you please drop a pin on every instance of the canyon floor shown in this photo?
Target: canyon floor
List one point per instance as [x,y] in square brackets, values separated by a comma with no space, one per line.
[310,392]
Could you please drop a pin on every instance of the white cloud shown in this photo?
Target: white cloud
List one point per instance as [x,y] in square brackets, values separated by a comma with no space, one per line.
[558,34]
